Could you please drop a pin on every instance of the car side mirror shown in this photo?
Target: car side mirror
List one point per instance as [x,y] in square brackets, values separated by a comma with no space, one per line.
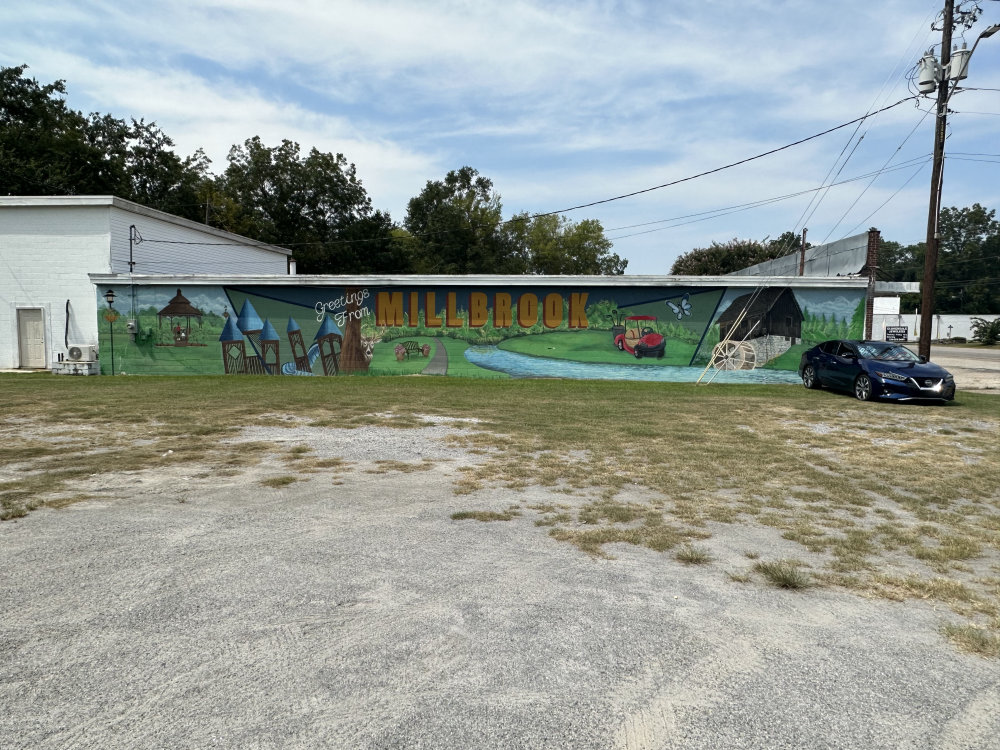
[922,358]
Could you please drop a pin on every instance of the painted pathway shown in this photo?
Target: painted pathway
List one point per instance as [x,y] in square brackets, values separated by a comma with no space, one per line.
[439,362]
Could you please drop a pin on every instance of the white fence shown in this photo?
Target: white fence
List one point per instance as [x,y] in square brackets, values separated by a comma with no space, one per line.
[943,327]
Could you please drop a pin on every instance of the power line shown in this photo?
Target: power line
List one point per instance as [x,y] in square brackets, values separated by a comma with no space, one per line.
[726,211]
[948,261]
[322,243]
[887,200]
[817,199]
[861,194]
[724,167]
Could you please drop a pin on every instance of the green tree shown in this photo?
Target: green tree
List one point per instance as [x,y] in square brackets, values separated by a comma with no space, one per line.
[43,145]
[968,274]
[456,227]
[986,331]
[47,148]
[737,254]
[552,244]
[314,204]
[967,280]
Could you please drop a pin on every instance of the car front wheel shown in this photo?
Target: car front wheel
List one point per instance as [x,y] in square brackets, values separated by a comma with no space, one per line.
[809,379]
[863,388]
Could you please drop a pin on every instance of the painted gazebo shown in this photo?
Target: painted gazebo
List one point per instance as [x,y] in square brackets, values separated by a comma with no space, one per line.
[179,309]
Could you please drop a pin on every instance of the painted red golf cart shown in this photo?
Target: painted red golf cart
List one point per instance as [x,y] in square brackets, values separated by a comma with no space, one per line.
[640,337]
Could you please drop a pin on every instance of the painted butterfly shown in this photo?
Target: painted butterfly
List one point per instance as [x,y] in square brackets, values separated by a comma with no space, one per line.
[682,309]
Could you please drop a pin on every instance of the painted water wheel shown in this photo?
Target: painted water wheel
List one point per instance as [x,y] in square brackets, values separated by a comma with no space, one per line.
[734,355]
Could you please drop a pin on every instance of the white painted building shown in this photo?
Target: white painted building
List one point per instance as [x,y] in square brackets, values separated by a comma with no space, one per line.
[943,327]
[50,245]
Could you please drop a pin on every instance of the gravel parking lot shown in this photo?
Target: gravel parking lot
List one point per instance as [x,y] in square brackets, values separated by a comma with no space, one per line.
[350,611]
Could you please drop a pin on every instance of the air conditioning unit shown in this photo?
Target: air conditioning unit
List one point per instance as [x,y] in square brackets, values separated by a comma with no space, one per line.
[81,353]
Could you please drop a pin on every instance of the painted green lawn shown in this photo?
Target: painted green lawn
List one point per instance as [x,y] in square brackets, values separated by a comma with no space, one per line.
[149,359]
[594,346]
[459,365]
[790,359]
[384,359]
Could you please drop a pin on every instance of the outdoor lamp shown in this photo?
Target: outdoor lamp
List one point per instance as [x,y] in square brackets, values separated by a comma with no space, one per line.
[109,297]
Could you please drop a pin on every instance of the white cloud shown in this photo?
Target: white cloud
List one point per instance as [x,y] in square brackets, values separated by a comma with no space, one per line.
[558,102]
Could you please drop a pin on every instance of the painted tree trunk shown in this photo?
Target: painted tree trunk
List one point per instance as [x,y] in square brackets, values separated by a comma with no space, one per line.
[352,356]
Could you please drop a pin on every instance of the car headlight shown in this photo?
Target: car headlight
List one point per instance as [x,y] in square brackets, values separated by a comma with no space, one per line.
[892,376]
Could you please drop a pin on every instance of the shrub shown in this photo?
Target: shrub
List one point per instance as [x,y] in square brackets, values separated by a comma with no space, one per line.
[987,332]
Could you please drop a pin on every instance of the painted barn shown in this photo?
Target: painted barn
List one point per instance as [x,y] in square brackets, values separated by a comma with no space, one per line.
[769,312]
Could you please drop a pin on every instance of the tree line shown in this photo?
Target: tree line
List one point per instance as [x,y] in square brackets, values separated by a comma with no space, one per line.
[313,203]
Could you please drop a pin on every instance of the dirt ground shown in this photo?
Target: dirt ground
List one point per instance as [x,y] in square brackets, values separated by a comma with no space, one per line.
[193,608]
[974,369]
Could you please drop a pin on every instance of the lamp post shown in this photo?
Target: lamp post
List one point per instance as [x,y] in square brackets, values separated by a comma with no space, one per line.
[109,297]
[937,76]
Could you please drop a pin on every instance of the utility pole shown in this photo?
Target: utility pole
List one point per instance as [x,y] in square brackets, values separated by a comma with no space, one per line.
[937,173]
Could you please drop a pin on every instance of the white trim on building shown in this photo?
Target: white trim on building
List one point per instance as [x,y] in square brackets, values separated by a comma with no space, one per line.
[480,280]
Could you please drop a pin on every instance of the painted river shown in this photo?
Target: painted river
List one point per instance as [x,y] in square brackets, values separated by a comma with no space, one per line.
[525,366]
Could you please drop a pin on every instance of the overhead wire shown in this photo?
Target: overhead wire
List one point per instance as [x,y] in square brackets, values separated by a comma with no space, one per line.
[764,280]
[678,181]
[726,211]
[884,203]
[817,199]
[723,167]
[872,181]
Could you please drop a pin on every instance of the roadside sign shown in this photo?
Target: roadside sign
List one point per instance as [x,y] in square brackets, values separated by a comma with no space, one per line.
[896,333]
[885,306]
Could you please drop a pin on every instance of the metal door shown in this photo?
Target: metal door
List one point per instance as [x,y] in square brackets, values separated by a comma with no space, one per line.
[31,338]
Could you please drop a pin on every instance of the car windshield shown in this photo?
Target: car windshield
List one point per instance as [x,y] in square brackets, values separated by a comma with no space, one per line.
[887,352]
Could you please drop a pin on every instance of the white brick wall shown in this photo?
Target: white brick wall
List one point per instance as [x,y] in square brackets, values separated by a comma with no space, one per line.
[48,246]
[45,257]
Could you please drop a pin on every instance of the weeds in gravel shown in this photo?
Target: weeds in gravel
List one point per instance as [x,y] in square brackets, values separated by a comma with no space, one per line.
[282,481]
[974,639]
[692,555]
[785,574]
[485,515]
[405,467]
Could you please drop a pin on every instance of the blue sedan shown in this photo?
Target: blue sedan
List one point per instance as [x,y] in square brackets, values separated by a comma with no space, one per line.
[875,369]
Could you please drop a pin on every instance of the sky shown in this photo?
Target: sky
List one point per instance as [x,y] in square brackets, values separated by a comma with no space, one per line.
[560,104]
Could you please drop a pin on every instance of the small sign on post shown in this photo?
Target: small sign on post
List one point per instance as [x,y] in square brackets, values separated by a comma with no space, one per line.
[896,333]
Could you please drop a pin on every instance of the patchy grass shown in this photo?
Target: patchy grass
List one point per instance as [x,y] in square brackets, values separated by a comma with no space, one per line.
[973,639]
[690,554]
[282,481]
[785,574]
[405,467]
[889,500]
[485,515]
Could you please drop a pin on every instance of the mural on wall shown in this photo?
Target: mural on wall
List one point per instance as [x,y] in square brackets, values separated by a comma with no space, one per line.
[626,333]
